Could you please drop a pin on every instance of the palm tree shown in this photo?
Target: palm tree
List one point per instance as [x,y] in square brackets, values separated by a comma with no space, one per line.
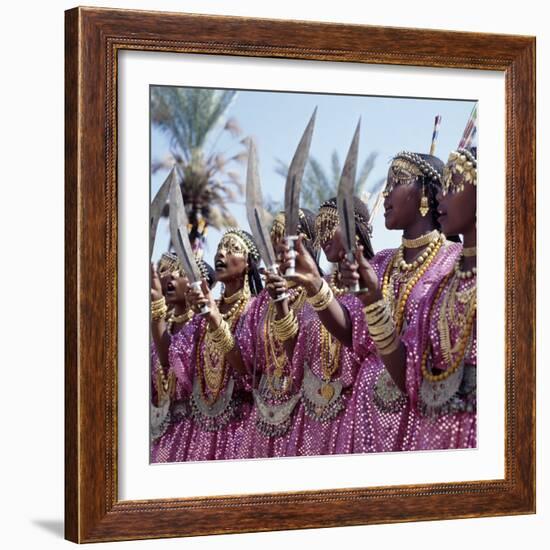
[209,178]
[318,186]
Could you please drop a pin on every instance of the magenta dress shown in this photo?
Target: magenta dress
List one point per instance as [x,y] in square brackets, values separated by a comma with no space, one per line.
[383,410]
[445,410]
[207,427]
[325,417]
[270,429]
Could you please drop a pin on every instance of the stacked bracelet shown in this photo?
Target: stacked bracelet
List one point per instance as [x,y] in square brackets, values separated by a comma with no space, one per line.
[382,327]
[158,309]
[221,338]
[287,327]
[322,299]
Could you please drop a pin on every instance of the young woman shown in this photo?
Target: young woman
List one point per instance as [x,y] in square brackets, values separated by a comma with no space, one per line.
[202,354]
[397,282]
[441,350]
[169,286]
[325,417]
[266,342]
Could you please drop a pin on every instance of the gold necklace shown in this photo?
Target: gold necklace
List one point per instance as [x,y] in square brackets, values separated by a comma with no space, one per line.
[187,315]
[450,314]
[273,348]
[330,355]
[461,345]
[398,306]
[423,240]
[334,284]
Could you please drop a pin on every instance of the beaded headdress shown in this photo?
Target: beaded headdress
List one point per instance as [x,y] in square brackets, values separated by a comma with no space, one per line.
[461,168]
[277,231]
[169,262]
[462,164]
[406,168]
[327,220]
[244,239]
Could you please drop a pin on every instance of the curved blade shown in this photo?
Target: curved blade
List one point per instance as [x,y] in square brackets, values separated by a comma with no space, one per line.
[255,209]
[346,187]
[157,206]
[178,231]
[294,179]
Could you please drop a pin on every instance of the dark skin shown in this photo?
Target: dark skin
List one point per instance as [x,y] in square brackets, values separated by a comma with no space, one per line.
[457,216]
[173,286]
[231,270]
[276,285]
[334,317]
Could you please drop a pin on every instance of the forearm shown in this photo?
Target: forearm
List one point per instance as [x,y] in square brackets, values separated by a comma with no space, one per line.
[333,316]
[233,356]
[161,339]
[281,310]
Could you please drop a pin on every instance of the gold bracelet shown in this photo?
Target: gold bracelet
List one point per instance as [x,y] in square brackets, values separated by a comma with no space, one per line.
[157,304]
[159,312]
[221,338]
[379,304]
[287,327]
[391,347]
[322,299]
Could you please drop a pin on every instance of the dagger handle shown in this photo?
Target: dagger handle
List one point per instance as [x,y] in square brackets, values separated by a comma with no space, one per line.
[204,309]
[350,257]
[291,269]
[273,269]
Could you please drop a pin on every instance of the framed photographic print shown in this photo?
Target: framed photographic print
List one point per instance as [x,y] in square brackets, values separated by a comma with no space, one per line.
[274,322]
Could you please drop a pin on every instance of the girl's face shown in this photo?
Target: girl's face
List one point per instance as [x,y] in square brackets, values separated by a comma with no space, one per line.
[457,207]
[175,284]
[334,248]
[402,200]
[231,259]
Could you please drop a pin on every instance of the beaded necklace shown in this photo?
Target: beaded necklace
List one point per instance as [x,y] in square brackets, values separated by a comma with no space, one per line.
[453,356]
[393,275]
[213,374]
[274,350]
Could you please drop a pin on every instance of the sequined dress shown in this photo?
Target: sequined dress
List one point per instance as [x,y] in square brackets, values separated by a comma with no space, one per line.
[445,341]
[270,429]
[209,427]
[325,416]
[383,410]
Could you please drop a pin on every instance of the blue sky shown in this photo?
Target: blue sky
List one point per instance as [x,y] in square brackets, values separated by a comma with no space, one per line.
[277,120]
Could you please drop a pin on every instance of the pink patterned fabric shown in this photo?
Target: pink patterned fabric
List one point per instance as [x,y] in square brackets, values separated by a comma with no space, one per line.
[325,430]
[452,423]
[256,440]
[196,436]
[383,411]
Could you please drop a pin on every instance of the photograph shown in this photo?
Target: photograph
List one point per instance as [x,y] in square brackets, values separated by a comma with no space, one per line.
[312,274]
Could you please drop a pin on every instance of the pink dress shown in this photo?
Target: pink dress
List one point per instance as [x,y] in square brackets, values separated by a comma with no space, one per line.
[209,425]
[383,410]
[444,410]
[325,417]
[270,429]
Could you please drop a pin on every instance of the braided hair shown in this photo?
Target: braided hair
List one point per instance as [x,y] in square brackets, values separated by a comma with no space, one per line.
[327,219]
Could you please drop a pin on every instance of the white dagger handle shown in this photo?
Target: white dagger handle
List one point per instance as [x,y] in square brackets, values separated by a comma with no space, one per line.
[291,269]
[273,269]
[204,309]
[350,257]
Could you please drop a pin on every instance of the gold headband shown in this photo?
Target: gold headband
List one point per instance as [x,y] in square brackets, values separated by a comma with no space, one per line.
[463,164]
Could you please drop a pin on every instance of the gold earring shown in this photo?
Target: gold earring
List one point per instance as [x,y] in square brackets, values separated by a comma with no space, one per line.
[424,208]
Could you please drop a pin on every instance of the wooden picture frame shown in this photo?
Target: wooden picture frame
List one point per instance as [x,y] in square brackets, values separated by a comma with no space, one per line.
[93,511]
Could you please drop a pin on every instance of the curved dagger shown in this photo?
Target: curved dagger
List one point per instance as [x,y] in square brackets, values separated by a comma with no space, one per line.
[180,237]
[157,205]
[346,187]
[256,214]
[255,210]
[292,187]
